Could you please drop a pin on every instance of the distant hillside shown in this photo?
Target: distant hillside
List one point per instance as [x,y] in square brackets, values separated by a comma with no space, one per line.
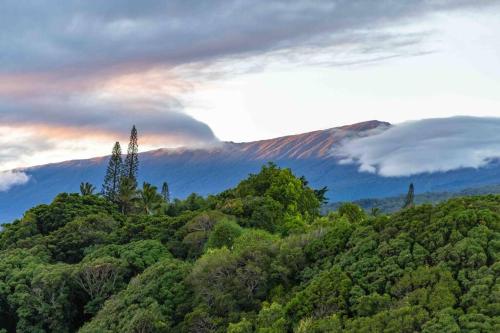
[394,204]
[211,170]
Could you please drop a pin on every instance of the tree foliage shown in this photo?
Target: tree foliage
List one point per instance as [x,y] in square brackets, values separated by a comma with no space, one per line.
[113,175]
[131,164]
[165,192]
[87,188]
[255,258]
[410,197]
[149,200]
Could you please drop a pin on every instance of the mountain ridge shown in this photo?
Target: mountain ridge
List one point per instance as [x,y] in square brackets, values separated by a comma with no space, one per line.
[244,146]
[321,140]
[209,170]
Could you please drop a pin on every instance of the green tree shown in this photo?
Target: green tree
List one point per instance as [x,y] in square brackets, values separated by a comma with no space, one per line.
[352,212]
[154,301]
[410,197]
[127,195]
[271,319]
[327,294]
[45,219]
[244,326]
[165,192]
[87,188]
[375,211]
[131,165]
[136,256]
[224,234]
[196,231]
[99,279]
[149,200]
[111,183]
[275,199]
[321,195]
[70,242]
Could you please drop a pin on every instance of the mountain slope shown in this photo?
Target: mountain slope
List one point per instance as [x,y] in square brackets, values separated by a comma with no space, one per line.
[393,204]
[214,169]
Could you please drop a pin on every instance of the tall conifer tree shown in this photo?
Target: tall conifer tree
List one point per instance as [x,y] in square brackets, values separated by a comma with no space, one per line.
[165,192]
[113,174]
[410,197]
[131,165]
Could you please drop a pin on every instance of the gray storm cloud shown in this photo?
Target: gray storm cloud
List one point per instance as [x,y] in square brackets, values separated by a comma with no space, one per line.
[429,145]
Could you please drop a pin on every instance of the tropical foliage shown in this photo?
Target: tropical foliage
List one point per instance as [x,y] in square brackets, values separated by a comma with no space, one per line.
[256,258]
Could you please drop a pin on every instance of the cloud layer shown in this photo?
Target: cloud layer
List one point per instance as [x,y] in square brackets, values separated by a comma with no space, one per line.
[87,70]
[8,179]
[86,35]
[429,145]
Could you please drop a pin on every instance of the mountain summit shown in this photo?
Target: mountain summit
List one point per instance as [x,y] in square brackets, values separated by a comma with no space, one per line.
[212,169]
[317,144]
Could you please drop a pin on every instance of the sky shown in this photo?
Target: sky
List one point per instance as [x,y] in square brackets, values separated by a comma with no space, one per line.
[76,75]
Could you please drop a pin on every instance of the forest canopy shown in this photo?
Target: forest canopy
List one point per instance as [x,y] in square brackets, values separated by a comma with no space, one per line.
[256,258]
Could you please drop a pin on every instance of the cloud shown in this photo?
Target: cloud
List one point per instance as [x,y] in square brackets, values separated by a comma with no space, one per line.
[109,118]
[8,179]
[83,36]
[429,145]
[82,69]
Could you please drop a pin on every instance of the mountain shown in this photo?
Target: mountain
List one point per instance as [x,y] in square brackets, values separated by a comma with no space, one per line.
[393,204]
[213,169]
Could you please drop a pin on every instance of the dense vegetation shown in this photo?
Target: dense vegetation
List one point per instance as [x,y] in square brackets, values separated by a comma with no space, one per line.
[394,204]
[255,258]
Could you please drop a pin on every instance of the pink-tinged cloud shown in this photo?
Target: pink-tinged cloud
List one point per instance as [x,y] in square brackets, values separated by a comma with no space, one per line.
[91,69]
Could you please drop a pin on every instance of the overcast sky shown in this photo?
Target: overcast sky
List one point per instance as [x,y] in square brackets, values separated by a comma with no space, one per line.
[75,75]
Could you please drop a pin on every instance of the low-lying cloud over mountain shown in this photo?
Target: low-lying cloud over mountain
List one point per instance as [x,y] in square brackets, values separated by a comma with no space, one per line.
[81,71]
[9,179]
[209,170]
[429,145]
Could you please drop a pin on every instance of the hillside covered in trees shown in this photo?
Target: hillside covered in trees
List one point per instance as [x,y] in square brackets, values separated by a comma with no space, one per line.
[394,204]
[255,258]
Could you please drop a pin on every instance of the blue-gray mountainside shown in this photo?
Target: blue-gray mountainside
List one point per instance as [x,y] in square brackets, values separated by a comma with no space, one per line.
[211,170]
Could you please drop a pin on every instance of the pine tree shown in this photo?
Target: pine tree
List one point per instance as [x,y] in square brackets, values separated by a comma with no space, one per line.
[321,195]
[410,197]
[165,192]
[113,174]
[131,165]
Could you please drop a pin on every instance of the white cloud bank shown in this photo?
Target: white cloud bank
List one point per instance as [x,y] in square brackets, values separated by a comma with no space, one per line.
[10,178]
[428,145]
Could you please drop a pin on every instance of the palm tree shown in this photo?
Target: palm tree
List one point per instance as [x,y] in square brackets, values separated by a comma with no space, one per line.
[87,188]
[375,211]
[127,195]
[149,199]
